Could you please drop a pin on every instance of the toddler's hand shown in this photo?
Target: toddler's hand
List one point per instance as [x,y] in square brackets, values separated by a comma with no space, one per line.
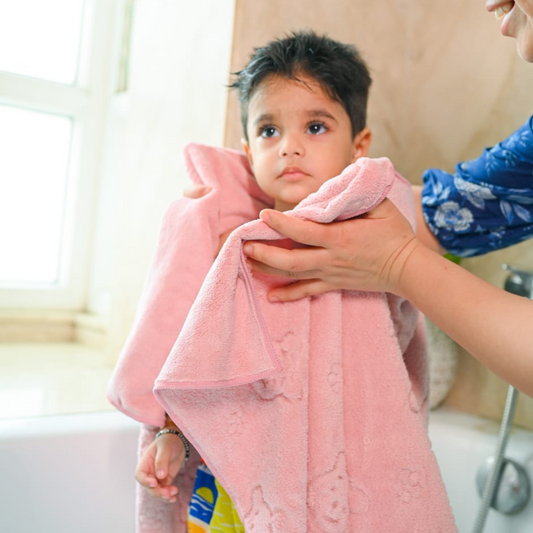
[159,465]
[196,191]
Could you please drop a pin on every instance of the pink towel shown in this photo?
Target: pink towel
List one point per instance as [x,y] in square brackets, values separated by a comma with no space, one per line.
[190,229]
[312,414]
[187,245]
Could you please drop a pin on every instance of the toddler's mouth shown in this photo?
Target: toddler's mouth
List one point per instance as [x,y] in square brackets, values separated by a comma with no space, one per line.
[292,173]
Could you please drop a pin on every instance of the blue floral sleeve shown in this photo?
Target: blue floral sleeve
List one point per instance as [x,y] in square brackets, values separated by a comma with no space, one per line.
[487,204]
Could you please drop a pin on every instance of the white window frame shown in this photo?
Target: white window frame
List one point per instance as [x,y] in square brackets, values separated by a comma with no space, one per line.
[86,104]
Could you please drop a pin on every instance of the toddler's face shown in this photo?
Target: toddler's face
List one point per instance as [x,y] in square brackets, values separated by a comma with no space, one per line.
[298,139]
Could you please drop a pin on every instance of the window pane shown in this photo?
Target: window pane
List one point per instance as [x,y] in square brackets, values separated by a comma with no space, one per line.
[41,38]
[33,179]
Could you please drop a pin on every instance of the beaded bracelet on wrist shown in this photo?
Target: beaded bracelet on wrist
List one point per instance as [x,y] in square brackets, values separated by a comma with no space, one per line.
[164,431]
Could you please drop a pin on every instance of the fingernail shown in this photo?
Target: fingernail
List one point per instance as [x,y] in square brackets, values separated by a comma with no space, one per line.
[273,299]
[206,188]
[265,216]
[160,474]
[248,249]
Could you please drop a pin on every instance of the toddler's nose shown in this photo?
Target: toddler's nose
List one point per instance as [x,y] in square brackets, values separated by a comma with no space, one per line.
[291,146]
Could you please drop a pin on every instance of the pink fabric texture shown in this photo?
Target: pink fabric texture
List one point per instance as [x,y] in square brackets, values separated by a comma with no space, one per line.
[312,414]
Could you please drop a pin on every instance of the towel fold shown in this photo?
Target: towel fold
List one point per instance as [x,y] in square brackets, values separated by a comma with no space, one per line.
[186,248]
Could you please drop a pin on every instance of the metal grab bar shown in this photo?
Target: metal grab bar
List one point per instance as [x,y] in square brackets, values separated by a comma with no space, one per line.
[519,282]
[492,483]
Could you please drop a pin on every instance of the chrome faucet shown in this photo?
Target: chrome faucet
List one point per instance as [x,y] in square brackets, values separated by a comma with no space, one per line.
[519,281]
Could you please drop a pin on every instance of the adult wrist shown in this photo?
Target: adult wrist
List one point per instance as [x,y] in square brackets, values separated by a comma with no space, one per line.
[401,265]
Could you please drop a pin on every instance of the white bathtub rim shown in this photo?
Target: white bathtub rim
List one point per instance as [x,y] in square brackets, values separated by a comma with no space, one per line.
[70,424]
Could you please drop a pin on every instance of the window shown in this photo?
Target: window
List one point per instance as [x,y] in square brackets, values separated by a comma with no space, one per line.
[54,76]
[34,170]
[42,38]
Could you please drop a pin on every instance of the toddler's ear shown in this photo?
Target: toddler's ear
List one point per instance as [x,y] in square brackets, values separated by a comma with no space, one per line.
[246,149]
[361,144]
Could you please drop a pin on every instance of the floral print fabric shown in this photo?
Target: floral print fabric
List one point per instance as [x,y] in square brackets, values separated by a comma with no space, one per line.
[487,204]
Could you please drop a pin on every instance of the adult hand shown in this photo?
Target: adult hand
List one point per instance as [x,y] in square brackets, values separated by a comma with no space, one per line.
[364,253]
[159,465]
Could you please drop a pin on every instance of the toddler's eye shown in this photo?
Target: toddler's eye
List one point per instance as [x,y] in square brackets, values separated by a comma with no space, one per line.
[268,131]
[317,128]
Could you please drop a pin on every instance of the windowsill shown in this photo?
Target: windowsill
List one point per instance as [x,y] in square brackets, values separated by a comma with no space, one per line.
[43,326]
[38,379]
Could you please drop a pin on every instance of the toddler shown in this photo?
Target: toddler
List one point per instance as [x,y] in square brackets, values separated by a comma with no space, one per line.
[303,103]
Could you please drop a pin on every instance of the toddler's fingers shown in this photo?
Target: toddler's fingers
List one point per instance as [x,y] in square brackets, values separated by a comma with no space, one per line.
[163,457]
[147,480]
[196,191]
[167,494]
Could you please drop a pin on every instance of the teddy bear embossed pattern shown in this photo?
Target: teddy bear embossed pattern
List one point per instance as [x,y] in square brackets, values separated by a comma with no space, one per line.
[333,497]
[288,382]
[261,518]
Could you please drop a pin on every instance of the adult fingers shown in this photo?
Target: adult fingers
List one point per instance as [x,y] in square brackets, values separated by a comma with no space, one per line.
[302,231]
[298,290]
[325,236]
[299,263]
[196,191]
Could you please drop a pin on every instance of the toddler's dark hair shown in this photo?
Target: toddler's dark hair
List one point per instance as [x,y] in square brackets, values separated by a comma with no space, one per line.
[336,67]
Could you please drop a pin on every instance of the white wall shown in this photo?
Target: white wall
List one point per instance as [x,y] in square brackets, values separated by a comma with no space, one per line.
[179,65]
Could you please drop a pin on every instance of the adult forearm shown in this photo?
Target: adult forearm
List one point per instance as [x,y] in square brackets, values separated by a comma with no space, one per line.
[423,233]
[488,322]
